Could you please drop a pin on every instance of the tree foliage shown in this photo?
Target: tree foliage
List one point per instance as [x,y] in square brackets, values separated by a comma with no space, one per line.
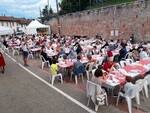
[69,6]
[46,13]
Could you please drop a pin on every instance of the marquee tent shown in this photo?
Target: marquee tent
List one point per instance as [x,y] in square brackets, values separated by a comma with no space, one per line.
[34,25]
[6,30]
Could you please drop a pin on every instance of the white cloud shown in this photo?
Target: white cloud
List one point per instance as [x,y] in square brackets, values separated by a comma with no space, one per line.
[24,8]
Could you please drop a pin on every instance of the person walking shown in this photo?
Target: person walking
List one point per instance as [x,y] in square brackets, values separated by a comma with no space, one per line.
[25,52]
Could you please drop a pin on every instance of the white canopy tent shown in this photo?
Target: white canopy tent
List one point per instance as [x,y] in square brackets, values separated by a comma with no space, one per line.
[34,25]
[6,30]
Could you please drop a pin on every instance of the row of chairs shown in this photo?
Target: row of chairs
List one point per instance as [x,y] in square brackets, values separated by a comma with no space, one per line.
[141,85]
[15,51]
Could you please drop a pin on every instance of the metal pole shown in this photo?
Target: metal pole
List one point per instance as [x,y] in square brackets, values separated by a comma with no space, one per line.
[90,3]
[58,21]
[48,3]
[79,5]
[48,6]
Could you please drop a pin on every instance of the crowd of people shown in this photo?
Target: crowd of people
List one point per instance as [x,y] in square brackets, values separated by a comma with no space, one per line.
[67,47]
[86,53]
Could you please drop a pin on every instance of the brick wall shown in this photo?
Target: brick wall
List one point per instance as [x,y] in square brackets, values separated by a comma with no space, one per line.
[126,18]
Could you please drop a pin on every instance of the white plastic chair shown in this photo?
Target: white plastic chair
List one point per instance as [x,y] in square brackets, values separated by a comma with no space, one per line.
[128,55]
[147,85]
[129,61]
[148,80]
[96,94]
[123,63]
[88,75]
[93,72]
[117,66]
[15,51]
[130,93]
[53,77]
[44,61]
[89,70]
[76,77]
[142,86]
[6,49]
[30,55]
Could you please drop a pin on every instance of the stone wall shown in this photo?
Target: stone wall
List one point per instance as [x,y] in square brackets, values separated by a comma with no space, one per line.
[126,18]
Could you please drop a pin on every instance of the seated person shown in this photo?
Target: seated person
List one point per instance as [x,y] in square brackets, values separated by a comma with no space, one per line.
[96,79]
[62,52]
[98,72]
[44,54]
[143,53]
[54,68]
[135,54]
[72,54]
[109,53]
[78,67]
[89,57]
[122,52]
[79,48]
[108,65]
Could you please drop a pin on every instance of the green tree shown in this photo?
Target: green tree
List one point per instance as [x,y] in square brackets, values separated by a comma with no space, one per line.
[69,6]
[47,13]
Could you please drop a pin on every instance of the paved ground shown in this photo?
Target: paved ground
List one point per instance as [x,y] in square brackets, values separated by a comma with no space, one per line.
[21,90]
[22,93]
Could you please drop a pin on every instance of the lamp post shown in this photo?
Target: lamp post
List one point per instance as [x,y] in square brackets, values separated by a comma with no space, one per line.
[58,20]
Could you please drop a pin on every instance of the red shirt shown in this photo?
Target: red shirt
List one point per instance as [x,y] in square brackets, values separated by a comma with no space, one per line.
[2,61]
[107,65]
[109,53]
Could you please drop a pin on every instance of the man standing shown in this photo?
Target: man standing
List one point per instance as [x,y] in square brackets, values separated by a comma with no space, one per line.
[25,53]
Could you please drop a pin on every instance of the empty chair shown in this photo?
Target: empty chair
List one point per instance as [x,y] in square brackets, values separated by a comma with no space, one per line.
[123,63]
[131,92]
[128,55]
[96,94]
[44,61]
[116,66]
[129,61]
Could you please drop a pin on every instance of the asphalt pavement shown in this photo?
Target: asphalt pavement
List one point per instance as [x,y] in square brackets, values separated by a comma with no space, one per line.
[20,92]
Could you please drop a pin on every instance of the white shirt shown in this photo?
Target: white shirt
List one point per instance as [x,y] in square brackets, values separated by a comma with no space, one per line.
[24,47]
[143,55]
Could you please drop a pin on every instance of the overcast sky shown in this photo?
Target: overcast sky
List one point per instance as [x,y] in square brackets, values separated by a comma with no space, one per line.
[24,8]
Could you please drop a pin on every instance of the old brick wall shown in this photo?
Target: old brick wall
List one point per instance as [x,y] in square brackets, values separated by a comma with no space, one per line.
[127,19]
